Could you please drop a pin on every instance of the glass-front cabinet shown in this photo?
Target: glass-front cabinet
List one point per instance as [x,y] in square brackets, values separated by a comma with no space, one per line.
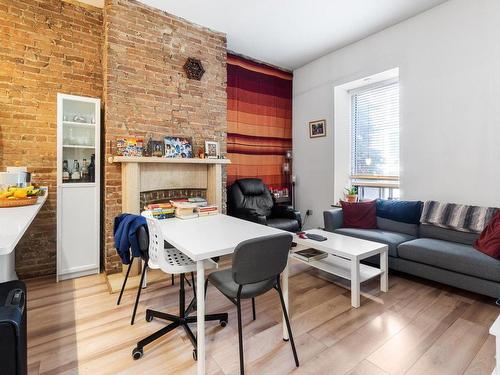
[79,127]
[78,185]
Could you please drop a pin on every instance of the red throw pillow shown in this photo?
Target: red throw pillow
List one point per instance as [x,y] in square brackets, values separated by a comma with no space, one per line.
[489,240]
[362,215]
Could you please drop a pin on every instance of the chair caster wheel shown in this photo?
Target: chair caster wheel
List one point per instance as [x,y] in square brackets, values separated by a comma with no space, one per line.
[149,318]
[137,353]
[223,323]
[195,355]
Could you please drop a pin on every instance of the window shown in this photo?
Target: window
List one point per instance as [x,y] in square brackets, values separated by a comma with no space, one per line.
[375,139]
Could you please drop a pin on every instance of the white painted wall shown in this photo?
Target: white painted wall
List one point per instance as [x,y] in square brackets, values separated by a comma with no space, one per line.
[449,69]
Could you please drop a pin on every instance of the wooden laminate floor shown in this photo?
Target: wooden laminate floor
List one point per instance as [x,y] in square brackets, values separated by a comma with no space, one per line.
[417,327]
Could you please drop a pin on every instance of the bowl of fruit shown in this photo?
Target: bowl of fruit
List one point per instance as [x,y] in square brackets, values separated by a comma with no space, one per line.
[19,196]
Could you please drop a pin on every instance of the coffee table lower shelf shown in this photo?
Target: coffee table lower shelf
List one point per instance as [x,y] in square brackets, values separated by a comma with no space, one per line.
[341,267]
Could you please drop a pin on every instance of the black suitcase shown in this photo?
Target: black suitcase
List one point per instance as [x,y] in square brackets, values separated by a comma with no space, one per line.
[13,341]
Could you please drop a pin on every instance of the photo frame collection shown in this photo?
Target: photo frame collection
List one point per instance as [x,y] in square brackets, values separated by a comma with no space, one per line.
[169,147]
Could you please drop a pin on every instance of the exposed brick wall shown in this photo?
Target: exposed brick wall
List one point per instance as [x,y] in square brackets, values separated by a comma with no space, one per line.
[46,47]
[146,91]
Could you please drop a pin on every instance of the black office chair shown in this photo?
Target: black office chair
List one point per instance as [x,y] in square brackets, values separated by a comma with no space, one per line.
[250,199]
[257,266]
[141,233]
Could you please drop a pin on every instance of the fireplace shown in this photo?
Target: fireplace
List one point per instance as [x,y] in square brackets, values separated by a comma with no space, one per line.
[154,179]
[147,176]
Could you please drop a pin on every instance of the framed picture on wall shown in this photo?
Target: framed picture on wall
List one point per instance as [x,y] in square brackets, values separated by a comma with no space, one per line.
[317,128]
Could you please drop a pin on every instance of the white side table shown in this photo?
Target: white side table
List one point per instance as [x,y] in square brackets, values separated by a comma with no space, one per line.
[495,331]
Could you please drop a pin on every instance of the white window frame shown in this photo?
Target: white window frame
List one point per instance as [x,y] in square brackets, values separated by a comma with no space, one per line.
[370,181]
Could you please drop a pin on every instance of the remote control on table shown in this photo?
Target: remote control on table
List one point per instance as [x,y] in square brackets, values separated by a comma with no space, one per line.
[316,237]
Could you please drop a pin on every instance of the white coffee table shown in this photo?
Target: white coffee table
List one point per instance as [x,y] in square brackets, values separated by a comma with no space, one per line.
[345,254]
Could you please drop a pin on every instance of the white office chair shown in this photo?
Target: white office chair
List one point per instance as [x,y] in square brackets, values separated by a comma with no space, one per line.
[172,261]
[144,248]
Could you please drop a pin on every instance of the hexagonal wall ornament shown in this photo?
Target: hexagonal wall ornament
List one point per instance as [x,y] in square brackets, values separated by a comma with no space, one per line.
[194,68]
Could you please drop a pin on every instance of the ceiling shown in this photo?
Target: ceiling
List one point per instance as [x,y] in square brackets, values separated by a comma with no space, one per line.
[291,33]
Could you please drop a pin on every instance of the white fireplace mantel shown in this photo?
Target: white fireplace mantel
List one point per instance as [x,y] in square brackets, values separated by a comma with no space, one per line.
[154,159]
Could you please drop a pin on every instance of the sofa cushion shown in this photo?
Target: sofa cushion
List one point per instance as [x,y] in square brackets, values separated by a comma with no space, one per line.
[431,231]
[393,239]
[359,215]
[397,226]
[489,240]
[403,211]
[451,256]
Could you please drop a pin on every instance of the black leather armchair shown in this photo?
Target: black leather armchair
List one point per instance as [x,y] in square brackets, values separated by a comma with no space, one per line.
[250,199]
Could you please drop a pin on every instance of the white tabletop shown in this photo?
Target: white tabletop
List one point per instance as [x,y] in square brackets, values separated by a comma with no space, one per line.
[211,236]
[495,328]
[13,223]
[340,245]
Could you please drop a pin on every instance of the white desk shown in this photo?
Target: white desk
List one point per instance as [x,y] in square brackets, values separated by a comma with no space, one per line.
[208,237]
[14,222]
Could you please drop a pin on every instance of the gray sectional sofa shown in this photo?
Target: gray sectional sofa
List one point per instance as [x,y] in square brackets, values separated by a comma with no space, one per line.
[427,251]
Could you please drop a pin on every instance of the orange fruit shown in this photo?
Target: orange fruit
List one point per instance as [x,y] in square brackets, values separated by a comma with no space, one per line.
[22,193]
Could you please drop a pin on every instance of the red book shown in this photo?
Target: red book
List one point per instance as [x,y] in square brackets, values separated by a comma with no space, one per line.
[179,200]
[207,208]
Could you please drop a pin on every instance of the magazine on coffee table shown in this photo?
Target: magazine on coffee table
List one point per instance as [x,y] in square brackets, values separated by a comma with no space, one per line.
[310,255]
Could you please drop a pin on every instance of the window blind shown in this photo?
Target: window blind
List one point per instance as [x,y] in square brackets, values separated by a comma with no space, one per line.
[375,131]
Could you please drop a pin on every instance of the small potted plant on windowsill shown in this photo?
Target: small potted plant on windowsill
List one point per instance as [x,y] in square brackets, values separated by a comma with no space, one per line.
[351,195]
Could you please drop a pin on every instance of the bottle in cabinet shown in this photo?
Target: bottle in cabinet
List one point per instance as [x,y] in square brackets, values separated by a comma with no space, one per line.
[85,171]
[75,174]
[65,171]
[92,168]
[81,171]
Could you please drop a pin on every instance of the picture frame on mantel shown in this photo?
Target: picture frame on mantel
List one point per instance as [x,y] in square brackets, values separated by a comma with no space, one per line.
[317,129]
[212,149]
[177,147]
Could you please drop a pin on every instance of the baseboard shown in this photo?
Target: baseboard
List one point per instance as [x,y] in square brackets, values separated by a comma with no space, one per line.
[77,273]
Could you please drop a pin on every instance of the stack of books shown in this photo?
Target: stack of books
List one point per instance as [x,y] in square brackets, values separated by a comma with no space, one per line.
[161,210]
[208,210]
[310,255]
[185,210]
